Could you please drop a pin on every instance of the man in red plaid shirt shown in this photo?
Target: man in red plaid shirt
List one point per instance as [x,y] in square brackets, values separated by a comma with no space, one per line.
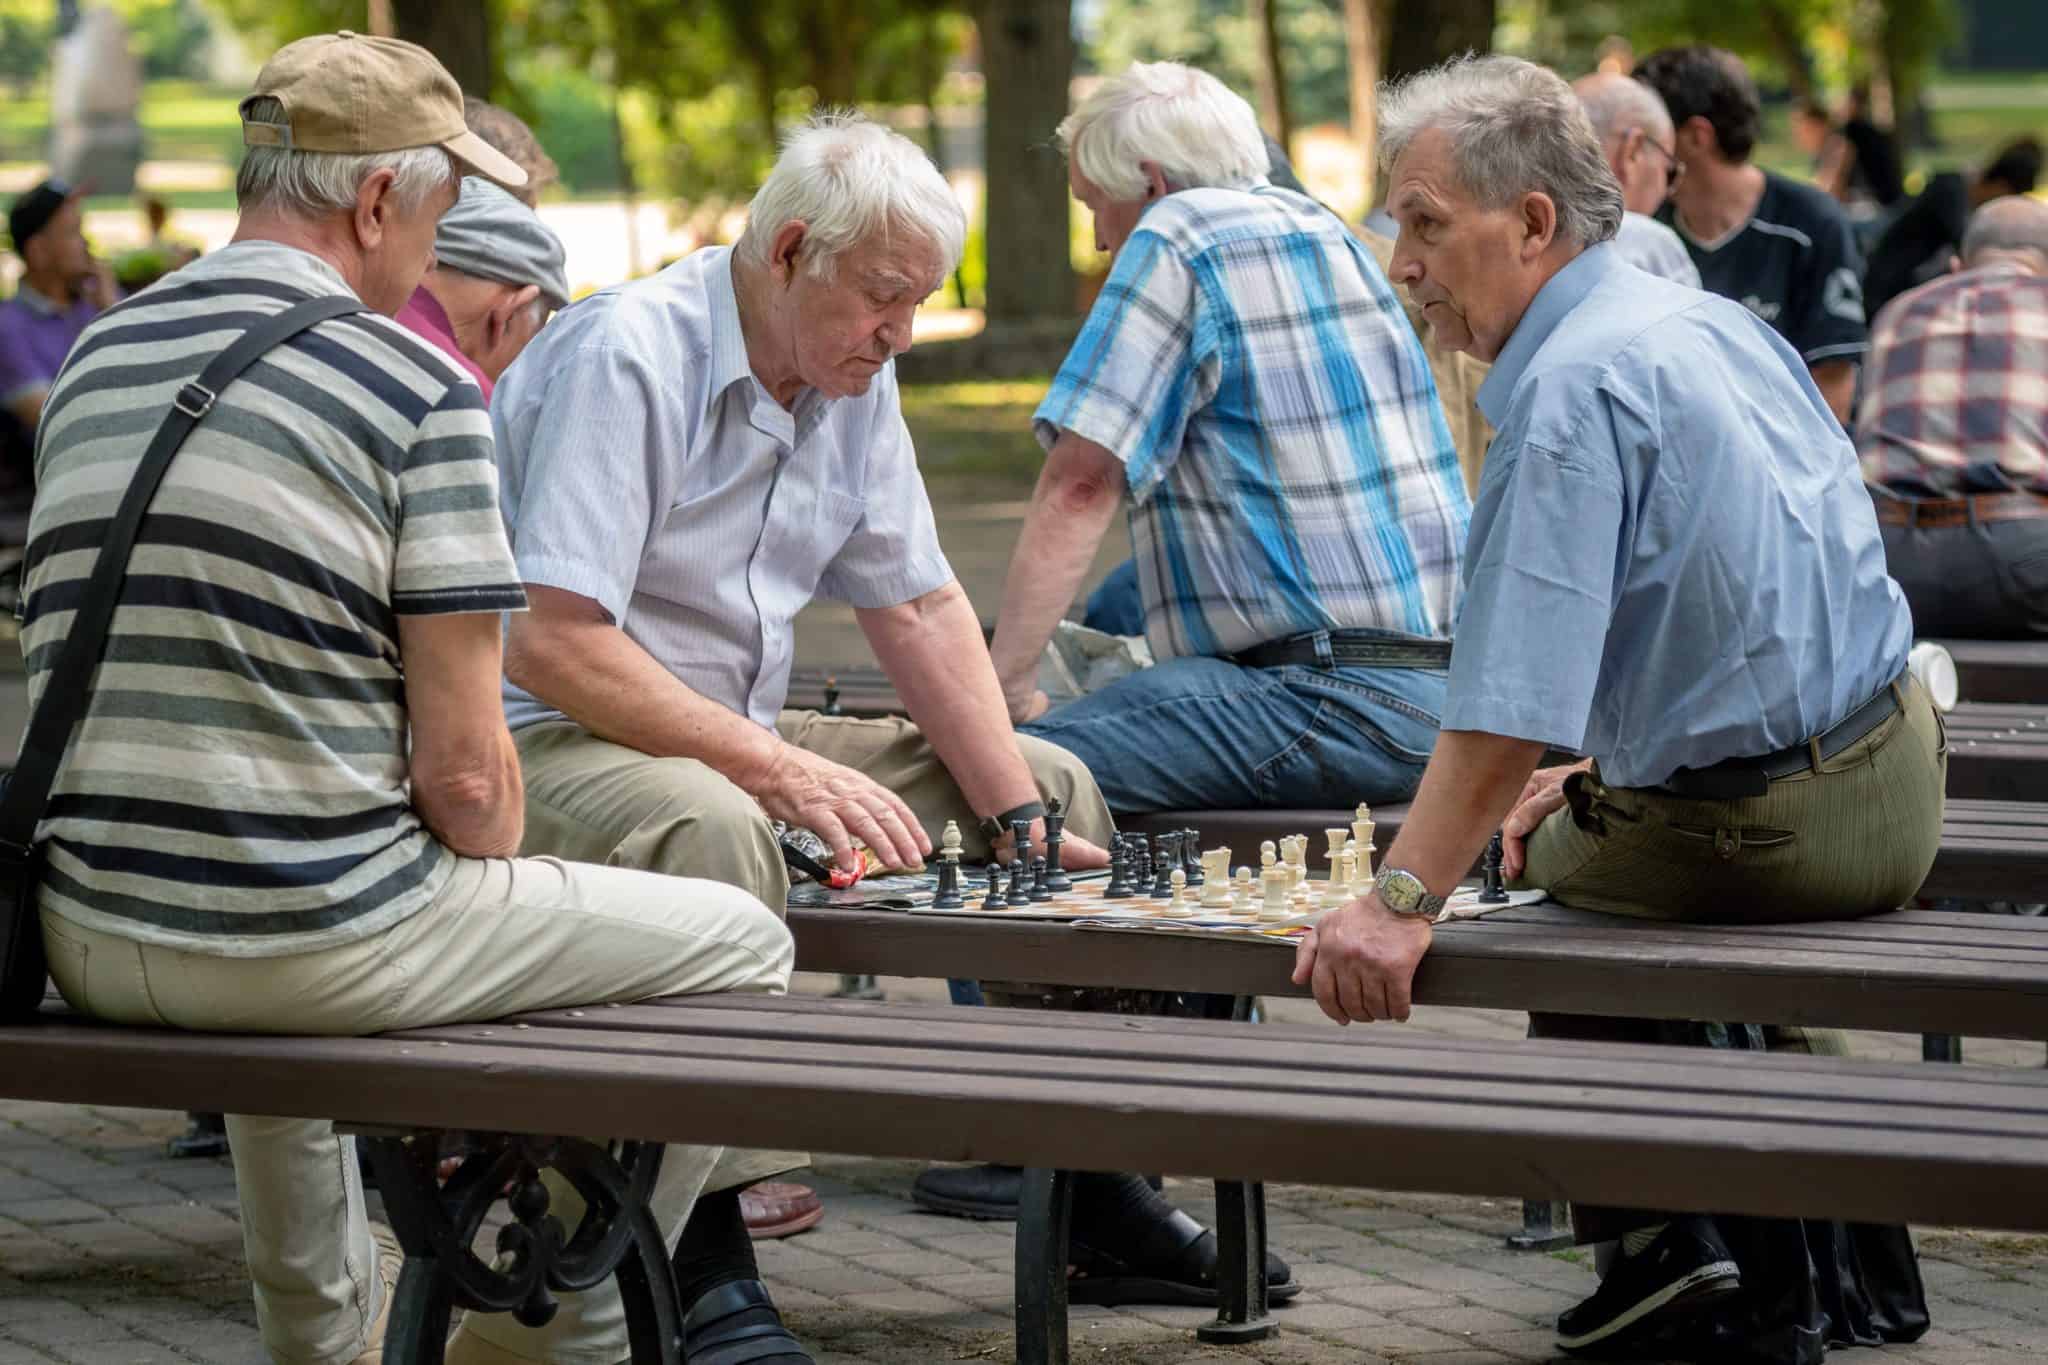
[1953,432]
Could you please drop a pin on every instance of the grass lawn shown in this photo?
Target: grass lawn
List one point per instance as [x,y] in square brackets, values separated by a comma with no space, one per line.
[980,428]
[181,121]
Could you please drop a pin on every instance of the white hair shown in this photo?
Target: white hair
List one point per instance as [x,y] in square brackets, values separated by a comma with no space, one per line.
[1197,129]
[1620,104]
[1515,127]
[2007,226]
[315,184]
[849,180]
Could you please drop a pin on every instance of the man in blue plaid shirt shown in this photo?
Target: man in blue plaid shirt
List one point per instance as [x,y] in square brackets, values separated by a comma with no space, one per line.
[1249,380]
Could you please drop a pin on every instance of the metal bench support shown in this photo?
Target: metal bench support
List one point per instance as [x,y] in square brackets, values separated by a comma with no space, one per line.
[536,1259]
[1546,1226]
[1045,1209]
[1940,1047]
[1240,1266]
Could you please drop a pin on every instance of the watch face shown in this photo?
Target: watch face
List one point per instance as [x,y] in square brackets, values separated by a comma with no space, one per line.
[1401,891]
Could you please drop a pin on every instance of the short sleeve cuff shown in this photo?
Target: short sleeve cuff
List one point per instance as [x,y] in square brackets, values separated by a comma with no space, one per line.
[577,576]
[1840,350]
[923,574]
[1511,717]
[496,597]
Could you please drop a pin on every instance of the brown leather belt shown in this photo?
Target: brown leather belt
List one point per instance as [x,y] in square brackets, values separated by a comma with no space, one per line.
[1938,512]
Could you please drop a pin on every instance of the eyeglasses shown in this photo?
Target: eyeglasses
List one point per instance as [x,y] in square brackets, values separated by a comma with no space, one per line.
[1674,169]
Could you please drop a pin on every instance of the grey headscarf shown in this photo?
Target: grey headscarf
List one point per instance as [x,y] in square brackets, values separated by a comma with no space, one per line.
[493,236]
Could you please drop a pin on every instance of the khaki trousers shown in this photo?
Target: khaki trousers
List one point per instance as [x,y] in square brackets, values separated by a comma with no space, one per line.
[594,801]
[1849,837]
[503,936]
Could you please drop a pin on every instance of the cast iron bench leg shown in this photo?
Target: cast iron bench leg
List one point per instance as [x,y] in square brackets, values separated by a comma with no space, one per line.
[1940,1047]
[1541,1221]
[1240,1265]
[536,1259]
[1045,1207]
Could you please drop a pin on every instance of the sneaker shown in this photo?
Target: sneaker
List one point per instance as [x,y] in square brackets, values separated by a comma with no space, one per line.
[1686,1267]
[390,1262]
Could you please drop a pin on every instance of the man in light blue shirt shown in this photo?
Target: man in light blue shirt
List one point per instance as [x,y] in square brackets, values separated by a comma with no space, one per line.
[1673,569]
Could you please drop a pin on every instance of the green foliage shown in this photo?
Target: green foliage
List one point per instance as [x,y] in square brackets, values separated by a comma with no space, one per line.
[170,36]
[1217,36]
[25,27]
[571,114]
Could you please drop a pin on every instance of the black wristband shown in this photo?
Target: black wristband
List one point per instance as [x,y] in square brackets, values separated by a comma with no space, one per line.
[997,827]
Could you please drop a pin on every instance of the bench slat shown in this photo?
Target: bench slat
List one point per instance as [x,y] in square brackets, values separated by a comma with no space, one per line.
[1389,1132]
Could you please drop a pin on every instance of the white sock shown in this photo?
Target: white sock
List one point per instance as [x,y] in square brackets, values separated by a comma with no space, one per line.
[1637,1242]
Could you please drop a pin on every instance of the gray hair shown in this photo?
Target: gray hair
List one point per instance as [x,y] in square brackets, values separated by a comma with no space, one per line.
[1515,127]
[2012,223]
[1198,130]
[849,180]
[1617,104]
[315,184]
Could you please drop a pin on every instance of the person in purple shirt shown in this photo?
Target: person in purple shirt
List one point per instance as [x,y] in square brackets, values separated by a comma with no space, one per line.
[62,289]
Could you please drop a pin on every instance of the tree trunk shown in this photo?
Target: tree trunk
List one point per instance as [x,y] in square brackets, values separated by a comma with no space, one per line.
[456,31]
[1027,59]
[1362,54]
[1788,44]
[1271,78]
[1422,33]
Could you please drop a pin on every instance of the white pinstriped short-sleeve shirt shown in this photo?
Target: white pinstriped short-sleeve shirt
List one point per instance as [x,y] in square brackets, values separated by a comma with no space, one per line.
[643,466]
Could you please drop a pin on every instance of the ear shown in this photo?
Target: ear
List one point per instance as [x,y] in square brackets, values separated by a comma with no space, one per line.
[786,250]
[498,320]
[1539,224]
[1696,133]
[1632,144]
[1155,181]
[374,208]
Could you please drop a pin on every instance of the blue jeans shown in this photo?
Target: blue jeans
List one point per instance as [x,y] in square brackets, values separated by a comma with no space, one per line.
[1207,734]
[1116,607]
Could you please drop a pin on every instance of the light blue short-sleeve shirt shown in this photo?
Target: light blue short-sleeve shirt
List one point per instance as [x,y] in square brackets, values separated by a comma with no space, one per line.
[1673,560]
[643,466]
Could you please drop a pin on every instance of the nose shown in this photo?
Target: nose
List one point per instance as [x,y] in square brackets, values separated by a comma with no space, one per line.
[1405,268]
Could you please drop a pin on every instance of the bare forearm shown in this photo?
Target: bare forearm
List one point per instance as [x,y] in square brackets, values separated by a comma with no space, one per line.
[594,674]
[931,649]
[1836,380]
[1470,784]
[1062,531]
[480,813]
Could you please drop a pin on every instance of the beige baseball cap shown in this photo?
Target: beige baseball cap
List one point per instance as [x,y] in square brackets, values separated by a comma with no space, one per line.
[355,94]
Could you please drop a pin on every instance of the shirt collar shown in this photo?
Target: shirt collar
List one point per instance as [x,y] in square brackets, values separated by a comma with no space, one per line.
[729,363]
[1560,294]
[37,302]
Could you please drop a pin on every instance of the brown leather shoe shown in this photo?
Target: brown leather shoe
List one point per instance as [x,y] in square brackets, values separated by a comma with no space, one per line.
[779,1208]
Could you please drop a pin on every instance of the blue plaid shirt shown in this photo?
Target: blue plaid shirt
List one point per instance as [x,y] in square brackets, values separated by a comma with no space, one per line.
[1288,462]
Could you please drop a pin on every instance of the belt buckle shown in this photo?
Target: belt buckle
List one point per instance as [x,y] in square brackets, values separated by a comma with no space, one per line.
[194,400]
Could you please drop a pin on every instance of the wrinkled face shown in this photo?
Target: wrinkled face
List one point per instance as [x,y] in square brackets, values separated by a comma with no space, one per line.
[1465,265]
[398,244]
[1115,219]
[59,248]
[846,328]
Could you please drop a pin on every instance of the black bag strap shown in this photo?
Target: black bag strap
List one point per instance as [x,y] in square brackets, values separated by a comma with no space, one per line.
[68,690]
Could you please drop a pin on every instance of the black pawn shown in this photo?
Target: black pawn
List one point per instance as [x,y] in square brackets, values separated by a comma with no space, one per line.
[1040,891]
[1020,886]
[948,896]
[1492,890]
[1139,847]
[1191,855]
[1119,886]
[1056,877]
[1163,866]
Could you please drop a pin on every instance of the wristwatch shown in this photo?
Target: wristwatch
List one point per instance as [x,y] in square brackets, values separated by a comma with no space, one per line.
[1404,894]
[997,827]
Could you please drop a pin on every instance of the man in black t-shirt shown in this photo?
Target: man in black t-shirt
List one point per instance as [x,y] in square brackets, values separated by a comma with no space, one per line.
[1782,249]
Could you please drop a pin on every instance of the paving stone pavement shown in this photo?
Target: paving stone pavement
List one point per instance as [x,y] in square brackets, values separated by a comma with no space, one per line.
[113,1254]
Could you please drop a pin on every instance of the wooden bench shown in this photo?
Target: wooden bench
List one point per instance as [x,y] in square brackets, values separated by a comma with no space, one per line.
[2000,670]
[1392,1109]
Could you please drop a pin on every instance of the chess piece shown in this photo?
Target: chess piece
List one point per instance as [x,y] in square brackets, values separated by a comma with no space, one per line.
[1361,839]
[1275,906]
[1268,855]
[1056,878]
[1119,887]
[1140,849]
[1020,886]
[1297,859]
[1020,841]
[948,895]
[1163,867]
[1492,890]
[1190,855]
[1241,891]
[1041,889]
[1338,838]
[1177,887]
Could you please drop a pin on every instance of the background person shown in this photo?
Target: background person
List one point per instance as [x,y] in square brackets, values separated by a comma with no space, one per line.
[62,289]
[1922,243]
[1781,249]
[1636,136]
[1954,425]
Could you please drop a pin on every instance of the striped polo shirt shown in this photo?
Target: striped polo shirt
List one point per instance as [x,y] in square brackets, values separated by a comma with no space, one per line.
[238,786]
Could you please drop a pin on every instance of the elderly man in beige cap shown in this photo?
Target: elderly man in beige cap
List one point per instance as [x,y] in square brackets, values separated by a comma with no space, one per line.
[316,828]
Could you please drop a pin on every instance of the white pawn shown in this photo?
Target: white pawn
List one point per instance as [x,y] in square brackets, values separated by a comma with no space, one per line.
[1177,906]
[1241,892]
[1267,855]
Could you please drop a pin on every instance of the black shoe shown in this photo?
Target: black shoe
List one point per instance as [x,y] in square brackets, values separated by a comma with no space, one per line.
[1686,1267]
[736,1323]
[985,1192]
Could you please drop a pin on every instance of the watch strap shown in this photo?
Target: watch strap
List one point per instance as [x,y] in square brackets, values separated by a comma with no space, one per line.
[1427,906]
[997,827]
